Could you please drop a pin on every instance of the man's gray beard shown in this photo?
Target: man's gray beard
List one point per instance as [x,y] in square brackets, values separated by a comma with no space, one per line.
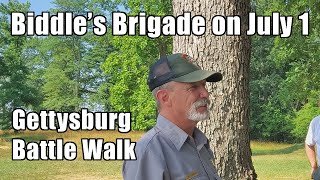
[196,116]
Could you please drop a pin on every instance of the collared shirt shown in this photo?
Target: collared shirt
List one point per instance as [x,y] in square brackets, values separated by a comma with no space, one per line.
[167,152]
[313,136]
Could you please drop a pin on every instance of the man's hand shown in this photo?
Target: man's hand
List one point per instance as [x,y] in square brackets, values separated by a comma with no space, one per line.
[311,154]
[313,170]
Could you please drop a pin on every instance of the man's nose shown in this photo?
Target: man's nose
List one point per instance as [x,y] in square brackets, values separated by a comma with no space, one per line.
[204,92]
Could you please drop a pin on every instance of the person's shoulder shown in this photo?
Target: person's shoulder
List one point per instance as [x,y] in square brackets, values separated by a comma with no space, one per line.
[316,119]
[149,157]
[149,141]
[315,122]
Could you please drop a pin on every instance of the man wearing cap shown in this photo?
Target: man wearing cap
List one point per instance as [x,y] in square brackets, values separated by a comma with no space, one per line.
[312,140]
[175,148]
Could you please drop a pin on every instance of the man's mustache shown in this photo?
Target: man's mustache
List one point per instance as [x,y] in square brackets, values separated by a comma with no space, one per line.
[202,102]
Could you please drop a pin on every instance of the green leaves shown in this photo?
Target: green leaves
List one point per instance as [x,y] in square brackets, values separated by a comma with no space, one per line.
[15,87]
[71,64]
[64,73]
[127,71]
[285,74]
[303,117]
[127,67]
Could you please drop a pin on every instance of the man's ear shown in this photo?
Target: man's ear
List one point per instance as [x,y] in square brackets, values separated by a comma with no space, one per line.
[163,97]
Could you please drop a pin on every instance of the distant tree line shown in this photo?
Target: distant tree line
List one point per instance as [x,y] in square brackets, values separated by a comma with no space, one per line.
[108,73]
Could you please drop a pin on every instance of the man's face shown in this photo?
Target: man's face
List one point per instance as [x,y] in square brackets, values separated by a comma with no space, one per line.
[191,100]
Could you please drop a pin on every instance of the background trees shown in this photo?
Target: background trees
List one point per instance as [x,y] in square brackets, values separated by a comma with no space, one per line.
[16,88]
[67,73]
[108,73]
[284,78]
[72,74]
[127,67]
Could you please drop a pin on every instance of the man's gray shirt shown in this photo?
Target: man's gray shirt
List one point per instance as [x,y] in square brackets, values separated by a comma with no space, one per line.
[167,152]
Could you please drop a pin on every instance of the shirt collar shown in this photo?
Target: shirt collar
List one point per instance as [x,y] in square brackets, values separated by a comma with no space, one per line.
[177,135]
[200,138]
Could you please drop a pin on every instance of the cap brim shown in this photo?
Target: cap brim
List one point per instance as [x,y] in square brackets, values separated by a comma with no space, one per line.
[200,75]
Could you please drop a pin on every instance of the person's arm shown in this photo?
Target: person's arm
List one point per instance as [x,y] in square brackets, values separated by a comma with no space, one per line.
[311,154]
[147,166]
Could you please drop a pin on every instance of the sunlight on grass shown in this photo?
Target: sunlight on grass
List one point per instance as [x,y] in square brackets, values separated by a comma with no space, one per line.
[280,161]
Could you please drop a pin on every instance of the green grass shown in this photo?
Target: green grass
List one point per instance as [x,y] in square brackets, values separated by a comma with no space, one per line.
[77,169]
[271,160]
[280,161]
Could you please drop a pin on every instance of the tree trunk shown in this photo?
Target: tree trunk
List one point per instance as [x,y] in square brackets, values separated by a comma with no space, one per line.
[228,126]
[76,42]
[162,47]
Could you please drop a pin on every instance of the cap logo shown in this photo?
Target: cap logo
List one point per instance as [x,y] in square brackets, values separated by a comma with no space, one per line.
[188,58]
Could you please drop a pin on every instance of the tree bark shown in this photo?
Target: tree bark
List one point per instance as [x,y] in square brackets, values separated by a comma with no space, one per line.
[228,126]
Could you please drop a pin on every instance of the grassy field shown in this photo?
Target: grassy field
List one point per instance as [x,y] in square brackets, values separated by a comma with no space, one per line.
[271,160]
[280,161]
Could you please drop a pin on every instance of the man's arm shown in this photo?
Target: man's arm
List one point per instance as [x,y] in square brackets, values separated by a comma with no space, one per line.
[147,166]
[311,154]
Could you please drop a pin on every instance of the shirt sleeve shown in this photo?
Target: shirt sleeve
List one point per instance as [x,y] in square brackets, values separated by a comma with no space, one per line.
[147,166]
[310,135]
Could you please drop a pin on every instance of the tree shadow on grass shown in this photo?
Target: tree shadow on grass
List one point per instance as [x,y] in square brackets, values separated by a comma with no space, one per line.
[27,138]
[286,150]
